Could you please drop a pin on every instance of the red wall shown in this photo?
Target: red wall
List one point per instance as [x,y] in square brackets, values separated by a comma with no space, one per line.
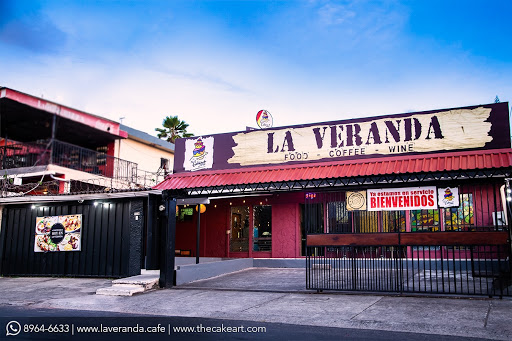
[213,234]
[215,222]
[286,225]
[186,235]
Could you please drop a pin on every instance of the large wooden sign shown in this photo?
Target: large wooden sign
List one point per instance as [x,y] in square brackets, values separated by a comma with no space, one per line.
[478,127]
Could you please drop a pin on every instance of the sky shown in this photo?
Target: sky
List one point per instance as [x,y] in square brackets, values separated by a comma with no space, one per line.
[215,64]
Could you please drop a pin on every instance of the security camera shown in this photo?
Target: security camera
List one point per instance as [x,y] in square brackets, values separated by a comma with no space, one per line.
[80,201]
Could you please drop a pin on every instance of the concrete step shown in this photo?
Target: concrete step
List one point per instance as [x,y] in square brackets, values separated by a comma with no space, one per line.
[132,285]
[147,281]
[121,290]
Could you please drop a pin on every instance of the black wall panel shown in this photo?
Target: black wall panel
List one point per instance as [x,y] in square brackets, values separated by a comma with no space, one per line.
[111,243]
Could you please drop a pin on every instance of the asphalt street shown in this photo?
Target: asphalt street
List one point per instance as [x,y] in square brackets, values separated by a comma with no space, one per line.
[286,314]
[30,318]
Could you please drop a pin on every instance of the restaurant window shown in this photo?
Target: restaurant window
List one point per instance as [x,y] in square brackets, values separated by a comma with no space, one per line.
[424,220]
[393,221]
[239,236]
[337,217]
[313,221]
[460,218]
[262,231]
[185,213]
[365,221]
[314,217]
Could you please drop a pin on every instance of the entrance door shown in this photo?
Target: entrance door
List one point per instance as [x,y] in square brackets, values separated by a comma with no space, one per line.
[240,226]
[251,231]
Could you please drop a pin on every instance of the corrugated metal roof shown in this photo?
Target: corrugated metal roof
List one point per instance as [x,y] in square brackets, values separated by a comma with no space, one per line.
[146,138]
[458,161]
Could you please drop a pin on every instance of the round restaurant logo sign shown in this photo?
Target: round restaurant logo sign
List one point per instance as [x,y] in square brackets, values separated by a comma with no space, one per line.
[57,233]
[264,119]
[356,201]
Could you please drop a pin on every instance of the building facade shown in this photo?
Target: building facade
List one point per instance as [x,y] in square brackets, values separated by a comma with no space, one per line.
[48,148]
[75,190]
[426,186]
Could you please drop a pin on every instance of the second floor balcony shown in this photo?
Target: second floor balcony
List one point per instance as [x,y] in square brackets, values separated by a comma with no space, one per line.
[28,156]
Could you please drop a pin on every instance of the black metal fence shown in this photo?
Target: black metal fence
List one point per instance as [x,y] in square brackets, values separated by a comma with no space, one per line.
[67,155]
[478,270]
[111,240]
[463,250]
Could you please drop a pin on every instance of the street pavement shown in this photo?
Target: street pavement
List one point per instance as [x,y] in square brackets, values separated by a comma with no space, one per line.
[265,295]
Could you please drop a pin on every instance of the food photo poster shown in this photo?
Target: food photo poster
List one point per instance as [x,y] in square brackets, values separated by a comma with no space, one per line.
[58,233]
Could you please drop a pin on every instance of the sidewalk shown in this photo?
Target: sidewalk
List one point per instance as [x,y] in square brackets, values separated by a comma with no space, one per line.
[271,296]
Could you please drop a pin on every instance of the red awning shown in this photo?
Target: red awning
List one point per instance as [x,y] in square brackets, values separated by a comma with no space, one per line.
[449,162]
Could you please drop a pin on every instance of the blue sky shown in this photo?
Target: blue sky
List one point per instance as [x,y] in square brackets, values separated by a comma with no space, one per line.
[216,63]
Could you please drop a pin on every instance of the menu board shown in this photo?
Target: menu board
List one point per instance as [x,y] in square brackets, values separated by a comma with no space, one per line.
[58,233]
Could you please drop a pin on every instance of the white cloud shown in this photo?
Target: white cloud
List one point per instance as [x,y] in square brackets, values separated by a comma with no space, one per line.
[331,14]
[355,61]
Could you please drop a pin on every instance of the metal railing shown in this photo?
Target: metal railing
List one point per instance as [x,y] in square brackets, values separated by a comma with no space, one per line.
[468,270]
[462,250]
[18,155]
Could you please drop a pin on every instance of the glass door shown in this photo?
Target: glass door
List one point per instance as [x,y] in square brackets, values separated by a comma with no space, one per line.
[239,236]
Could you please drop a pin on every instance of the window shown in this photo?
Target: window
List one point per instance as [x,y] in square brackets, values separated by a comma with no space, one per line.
[337,217]
[101,156]
[393,221]
[262,231]
[366,221]
[377,222]
[424,220]
[460,218]
[185,213]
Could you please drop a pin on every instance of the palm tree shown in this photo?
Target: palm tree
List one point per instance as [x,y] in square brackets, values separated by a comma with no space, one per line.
[173,128]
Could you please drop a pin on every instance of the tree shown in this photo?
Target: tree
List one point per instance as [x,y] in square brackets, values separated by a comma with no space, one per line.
[173,128]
